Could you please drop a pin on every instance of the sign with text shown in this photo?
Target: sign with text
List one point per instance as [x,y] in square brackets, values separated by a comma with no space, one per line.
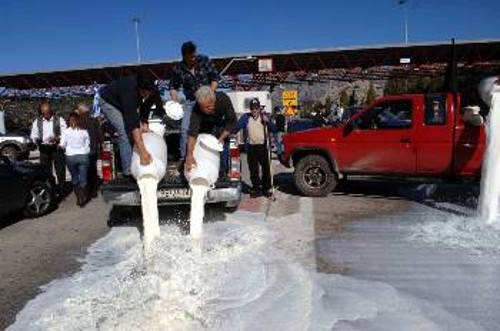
[290,98]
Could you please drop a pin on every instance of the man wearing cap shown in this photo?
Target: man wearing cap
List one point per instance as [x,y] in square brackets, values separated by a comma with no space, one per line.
[195,70]
[256,127]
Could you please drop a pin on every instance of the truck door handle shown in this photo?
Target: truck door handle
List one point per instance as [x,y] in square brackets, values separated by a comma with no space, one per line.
[405,140]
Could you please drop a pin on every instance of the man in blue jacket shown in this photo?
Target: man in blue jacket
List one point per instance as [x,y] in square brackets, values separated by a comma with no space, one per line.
[256,127]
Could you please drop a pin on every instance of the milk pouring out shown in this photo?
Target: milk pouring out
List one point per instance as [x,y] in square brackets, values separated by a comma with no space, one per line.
[489,89]
[201,178]
[148,177]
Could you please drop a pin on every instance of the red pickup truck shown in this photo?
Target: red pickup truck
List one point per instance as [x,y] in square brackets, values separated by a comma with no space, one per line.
[407,135]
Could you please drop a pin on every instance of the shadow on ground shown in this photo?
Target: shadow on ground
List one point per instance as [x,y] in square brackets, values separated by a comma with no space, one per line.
[441,195]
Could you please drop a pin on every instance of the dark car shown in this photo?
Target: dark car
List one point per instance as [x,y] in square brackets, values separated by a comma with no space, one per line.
[25,187]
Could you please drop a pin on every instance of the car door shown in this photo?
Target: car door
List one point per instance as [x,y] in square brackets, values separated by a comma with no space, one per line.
[380,141]
[11,189]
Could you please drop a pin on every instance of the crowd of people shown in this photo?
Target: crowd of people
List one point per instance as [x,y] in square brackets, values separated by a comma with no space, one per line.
[73,144]
[128,102]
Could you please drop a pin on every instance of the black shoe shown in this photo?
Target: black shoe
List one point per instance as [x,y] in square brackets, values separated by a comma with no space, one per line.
[254,194]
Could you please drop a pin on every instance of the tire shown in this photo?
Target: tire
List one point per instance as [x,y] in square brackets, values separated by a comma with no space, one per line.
[39,199]
[313,176]
[11,151]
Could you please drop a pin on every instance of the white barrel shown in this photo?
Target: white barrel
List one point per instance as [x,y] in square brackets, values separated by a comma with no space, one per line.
[207,156]
[156,146]
[487,87]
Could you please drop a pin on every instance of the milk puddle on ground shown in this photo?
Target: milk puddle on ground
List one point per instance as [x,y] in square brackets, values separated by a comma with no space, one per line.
[240,282]
[480,233]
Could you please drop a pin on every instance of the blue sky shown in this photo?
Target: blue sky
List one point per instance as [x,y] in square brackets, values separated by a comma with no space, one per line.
[42,35]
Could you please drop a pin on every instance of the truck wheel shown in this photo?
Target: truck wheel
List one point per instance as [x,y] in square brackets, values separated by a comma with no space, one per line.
[313,176]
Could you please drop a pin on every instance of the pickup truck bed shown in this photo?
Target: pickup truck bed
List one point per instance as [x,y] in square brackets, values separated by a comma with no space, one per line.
[173,189]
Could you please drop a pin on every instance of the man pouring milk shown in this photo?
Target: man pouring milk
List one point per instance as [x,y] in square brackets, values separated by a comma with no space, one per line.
[213,114]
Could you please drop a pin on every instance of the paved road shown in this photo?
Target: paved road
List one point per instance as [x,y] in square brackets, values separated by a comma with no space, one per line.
[34,252]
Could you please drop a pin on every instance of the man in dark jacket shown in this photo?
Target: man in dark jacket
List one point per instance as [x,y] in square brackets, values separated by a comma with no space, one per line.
[126,103]
[213,114]
[256,127]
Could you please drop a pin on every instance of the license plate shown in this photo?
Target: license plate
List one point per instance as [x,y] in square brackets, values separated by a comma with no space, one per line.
[174,193]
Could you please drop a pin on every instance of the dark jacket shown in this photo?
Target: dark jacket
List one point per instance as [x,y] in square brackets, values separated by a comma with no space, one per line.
[94,129]
[123,94]
[223,118]
[243,125]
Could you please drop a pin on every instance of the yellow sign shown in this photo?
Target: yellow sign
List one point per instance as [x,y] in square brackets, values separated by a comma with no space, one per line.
[290,98]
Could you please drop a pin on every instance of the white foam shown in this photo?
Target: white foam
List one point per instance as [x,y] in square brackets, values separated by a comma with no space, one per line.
[458,232]
[241,282]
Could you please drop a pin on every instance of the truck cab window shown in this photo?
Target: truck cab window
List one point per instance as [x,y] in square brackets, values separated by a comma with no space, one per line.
[393,114]
[435,113]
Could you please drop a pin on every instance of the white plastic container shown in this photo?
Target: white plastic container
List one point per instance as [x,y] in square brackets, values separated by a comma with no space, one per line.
[156,146]
[207,156]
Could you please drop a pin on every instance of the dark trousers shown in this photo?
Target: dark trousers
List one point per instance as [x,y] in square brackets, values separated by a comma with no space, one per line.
[53,156]
[258,156]
[92,177]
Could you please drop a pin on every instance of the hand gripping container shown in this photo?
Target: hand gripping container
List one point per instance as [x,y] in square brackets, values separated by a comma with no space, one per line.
[156,146]
[207,156]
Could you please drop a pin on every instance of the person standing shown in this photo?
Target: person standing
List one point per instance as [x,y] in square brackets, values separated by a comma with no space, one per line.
[93,128]
[120,101]
[213,114]
[76,143]
[195,70]
[320,119]
[46,132]
[256,127]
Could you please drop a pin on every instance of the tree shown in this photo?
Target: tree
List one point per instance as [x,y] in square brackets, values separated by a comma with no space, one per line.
[371,95]
[352,99]
[344,98]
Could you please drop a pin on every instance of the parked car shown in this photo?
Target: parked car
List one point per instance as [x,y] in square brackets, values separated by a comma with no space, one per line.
[25,187]
[407,135]
[16,145]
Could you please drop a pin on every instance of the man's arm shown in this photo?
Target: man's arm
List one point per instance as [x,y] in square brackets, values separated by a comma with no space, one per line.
[229,117]
[139,144]
[175,84]
[190,161]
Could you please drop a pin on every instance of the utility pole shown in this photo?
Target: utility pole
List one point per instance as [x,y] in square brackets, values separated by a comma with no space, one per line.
[403,4]
[136,22]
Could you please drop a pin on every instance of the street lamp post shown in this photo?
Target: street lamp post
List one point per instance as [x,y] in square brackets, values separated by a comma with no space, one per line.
[136,22]
[403,4]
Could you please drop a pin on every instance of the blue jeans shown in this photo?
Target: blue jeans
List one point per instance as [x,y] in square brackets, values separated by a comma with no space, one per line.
[78,166]
[186,120]
[115,117]
[278,140]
